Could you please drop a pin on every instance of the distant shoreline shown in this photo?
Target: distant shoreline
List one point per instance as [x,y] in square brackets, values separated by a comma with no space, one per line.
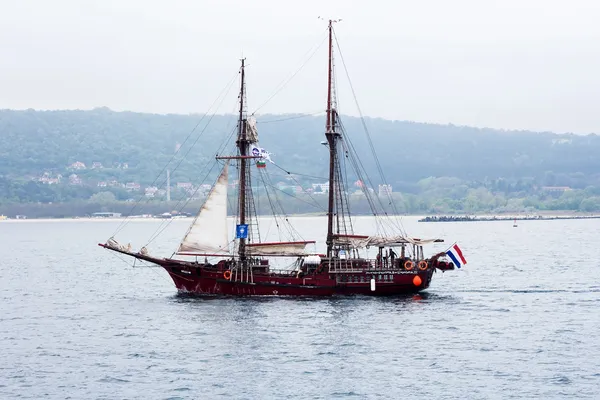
[546,215]
[495,218]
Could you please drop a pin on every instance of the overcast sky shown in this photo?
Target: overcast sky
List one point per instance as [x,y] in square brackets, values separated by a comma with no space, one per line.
[513,64]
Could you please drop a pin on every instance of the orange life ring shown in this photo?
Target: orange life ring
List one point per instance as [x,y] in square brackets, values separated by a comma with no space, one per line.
[409,265]
[227,274]
[422,265]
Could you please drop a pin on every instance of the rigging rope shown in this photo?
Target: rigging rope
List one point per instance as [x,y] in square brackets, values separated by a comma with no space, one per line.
[313,50]
[292,231]
[221,96]
[345,187]
[358,168]
[295,197]
[159,230]
[298,183]
[372,147]
[197,184]
[290,118]
[221,146]
[273,208]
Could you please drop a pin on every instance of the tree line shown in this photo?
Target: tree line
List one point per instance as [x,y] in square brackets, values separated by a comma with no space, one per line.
[432,167]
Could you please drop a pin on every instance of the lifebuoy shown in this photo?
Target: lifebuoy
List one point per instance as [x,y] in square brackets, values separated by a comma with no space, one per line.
[227,274]
[422,265]
[409,265]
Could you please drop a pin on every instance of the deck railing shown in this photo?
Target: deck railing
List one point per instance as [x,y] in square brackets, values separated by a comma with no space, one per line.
[344,266]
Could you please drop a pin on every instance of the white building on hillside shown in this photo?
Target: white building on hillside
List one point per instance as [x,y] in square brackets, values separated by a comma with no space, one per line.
[385,190]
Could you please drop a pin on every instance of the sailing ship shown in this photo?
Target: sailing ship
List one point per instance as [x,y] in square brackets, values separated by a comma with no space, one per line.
[242,266]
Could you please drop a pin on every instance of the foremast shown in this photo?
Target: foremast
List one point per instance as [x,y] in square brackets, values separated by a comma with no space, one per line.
[242,145]
[336,222]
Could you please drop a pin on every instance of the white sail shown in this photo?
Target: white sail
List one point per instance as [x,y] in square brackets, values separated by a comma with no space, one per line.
[208,232]
[278,248]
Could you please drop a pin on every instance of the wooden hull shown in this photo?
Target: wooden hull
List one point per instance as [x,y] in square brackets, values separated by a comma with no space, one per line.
[214,280]
[198,280]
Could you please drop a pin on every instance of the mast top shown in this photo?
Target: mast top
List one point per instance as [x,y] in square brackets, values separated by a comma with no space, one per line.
[330,122]
[331,21]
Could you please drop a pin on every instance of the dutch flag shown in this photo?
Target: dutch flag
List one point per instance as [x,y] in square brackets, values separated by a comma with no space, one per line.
[456,256]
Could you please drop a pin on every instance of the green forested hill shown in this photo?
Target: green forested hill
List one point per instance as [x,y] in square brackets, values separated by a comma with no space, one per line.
[36,141]
[411,154]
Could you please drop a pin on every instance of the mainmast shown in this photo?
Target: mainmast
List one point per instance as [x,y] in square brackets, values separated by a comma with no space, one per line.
[242,144]
[332,137]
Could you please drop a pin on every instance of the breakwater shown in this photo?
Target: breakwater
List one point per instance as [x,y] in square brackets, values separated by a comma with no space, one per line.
[467,218]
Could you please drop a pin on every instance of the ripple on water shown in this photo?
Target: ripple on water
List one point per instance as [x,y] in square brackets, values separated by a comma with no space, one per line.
[84,325]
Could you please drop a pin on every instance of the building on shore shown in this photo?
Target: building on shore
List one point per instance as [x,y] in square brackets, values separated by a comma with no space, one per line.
[106,215]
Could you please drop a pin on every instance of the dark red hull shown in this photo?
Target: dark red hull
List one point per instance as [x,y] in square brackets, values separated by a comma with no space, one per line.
[200,279]
[206,283]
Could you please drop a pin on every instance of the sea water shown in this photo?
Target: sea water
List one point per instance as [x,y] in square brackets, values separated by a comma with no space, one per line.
[520,320]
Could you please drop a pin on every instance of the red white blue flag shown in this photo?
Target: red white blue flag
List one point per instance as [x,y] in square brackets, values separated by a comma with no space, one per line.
[456,256]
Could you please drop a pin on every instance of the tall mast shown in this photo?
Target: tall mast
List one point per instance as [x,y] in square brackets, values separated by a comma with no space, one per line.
[329,124]
[242,144]
[331,136]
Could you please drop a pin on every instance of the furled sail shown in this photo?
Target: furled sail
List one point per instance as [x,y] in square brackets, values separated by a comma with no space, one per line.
[251,130]
[208,232]
[277,248]
[359,241]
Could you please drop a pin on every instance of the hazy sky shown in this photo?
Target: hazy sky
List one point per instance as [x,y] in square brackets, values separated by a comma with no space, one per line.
[514,64]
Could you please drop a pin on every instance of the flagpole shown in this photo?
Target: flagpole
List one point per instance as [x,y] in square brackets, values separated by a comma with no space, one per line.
[451,246]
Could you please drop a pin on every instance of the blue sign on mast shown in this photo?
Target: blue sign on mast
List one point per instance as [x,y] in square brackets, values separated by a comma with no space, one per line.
[241,231]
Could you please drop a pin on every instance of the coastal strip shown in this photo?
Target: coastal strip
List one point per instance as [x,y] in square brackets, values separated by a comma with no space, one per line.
[466,218]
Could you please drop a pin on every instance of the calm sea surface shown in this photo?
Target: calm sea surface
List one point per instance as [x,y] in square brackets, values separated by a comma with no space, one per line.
[521,320]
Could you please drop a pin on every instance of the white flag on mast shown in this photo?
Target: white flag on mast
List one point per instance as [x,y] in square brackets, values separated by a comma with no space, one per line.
[260,152]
